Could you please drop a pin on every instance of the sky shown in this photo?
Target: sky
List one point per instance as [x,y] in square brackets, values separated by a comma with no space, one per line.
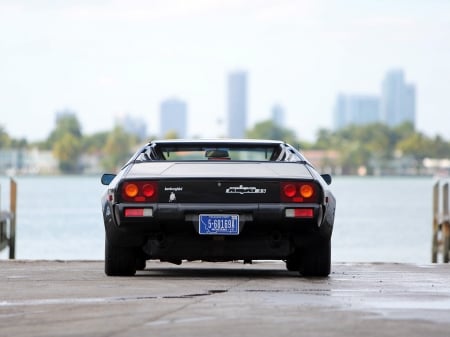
[108,58]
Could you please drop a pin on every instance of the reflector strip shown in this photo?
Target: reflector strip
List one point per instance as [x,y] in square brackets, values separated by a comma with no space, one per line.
[138,212]
[299,213]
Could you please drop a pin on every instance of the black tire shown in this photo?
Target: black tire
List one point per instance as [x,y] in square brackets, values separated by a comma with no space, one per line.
[293,262]
[316,259]
[140,263]
[119,261]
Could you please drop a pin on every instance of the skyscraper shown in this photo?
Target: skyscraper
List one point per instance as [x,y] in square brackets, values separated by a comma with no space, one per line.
[173,117]
[398,99]
[278,115]
[356,110]
[237,104]
[133,125]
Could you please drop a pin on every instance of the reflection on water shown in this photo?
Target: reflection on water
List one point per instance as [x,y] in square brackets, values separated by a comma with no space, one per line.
[377,219]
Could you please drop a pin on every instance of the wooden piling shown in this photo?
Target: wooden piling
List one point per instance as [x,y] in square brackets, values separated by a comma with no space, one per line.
[441,222]
[8,222]
[445,223]
[435,244]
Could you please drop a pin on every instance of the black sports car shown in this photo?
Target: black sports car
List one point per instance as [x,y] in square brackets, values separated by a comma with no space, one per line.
[218,200]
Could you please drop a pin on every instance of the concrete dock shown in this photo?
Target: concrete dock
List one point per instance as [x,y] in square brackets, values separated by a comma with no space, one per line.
[75,298]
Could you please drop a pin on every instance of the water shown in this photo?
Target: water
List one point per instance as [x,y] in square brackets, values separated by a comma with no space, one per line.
[377,219]
[383,219]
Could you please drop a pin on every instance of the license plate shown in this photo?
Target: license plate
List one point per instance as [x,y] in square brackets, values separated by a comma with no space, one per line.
[218,224]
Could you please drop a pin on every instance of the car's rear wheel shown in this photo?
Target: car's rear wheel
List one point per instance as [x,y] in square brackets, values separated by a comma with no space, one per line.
[316,259]
[140,263]
[119,261]
[293,262]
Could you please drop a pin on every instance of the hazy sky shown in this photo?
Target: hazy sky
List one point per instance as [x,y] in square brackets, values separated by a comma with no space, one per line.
[103,58]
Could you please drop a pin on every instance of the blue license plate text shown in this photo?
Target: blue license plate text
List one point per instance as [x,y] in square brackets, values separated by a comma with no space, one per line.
[218,224]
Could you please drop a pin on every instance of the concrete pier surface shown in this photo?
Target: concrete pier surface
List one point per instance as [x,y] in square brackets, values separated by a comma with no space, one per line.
[75,298]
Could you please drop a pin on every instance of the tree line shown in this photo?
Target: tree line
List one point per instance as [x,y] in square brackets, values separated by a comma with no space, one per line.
[356,146]
[372,146]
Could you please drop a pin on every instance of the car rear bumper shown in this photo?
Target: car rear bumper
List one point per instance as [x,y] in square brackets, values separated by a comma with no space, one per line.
[161,213]
[261,228]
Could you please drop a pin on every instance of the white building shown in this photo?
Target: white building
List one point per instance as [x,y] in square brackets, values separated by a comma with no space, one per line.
[237,104]
[398,99]
[356,110]
[278,115]
[173,117]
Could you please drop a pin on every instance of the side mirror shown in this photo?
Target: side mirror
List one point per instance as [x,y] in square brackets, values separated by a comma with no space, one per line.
[327,178]
[107,178]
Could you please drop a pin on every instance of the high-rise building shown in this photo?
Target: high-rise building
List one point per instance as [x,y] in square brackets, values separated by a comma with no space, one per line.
[356,110]
[398,99]
[173,117]
[133,125]
[237,104]
[278,115]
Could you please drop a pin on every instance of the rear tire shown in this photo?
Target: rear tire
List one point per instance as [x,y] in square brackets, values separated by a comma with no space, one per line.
[140,263]
[293,262]
[316,260]
[119,261]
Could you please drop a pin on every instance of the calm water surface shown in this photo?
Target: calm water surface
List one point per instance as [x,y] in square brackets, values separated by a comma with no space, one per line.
[377,219]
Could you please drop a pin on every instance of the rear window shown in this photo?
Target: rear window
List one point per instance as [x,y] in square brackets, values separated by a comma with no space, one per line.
[235,153]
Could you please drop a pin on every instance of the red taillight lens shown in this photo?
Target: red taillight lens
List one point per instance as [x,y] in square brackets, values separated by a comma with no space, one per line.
[139,191]
[306,191]
[299,192]
[131,190]
[148,190]
[289,190]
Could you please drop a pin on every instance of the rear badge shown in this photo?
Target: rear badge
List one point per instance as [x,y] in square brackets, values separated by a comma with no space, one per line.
[245,190]
[172,197]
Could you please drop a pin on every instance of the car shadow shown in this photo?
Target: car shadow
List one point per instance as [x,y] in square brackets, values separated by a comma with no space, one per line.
[221,271]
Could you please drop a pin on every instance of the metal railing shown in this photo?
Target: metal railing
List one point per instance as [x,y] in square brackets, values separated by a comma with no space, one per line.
[8,222]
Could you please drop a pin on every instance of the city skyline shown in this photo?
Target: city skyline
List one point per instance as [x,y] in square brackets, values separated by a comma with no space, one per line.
[107,58]
[395,104]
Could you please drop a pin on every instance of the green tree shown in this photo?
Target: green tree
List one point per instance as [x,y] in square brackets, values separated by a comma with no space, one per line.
[417,145]
[68,150]
[5,140]
[95,143]
[171,134]
[440,148]
[65,141]
[326,140]
[118,148]
[403,131]
[269,130]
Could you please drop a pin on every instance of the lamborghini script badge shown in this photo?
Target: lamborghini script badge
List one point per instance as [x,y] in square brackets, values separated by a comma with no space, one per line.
[244,189]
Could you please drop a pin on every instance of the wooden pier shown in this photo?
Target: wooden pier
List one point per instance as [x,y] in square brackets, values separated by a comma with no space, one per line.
[441,222]
[8,222]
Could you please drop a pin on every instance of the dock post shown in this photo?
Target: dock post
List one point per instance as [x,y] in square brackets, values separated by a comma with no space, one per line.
[8,223]
[445,223]
[435,243]
[13,211]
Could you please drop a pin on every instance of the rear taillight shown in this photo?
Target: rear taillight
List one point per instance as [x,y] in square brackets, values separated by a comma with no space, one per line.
[299,192]
[299,213]
[139,191]
[138,212]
